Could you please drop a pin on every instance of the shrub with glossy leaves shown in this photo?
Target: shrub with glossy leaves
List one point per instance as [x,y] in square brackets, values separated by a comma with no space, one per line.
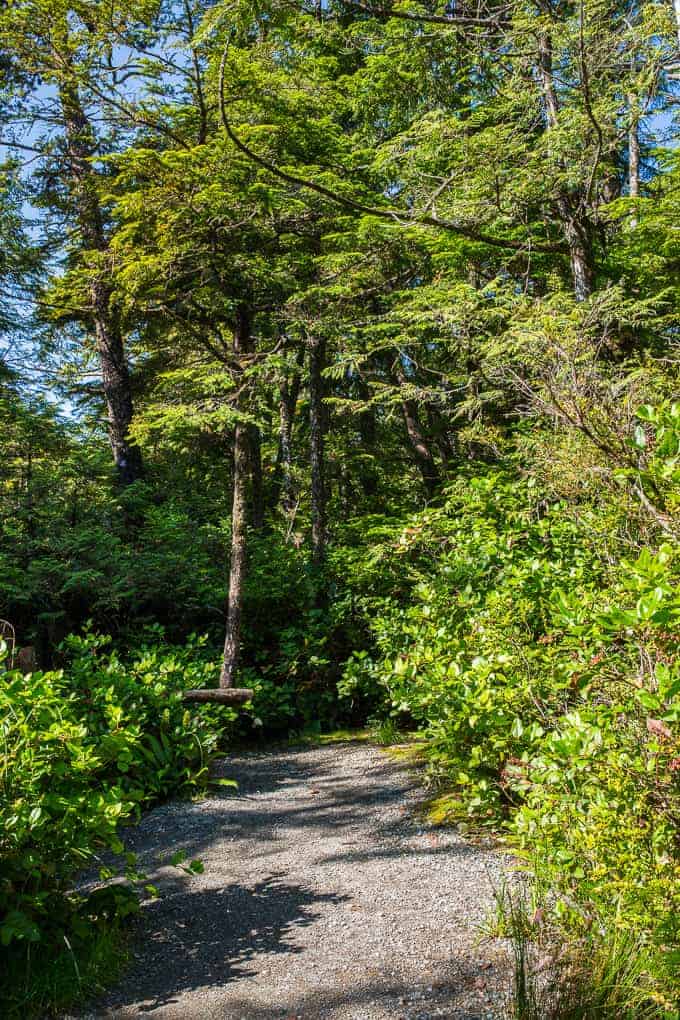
[82,748]
[538,655]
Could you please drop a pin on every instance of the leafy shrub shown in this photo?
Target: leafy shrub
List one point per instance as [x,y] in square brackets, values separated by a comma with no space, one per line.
[82,750]
[542,666]
[56,810]
[462,653]
[273,704]
[601,794]
[133,710]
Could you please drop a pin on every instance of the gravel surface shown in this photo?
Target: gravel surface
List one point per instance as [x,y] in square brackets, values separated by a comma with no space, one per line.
[324,895]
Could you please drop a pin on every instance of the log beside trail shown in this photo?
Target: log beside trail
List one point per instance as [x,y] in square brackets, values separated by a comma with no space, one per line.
[221,695]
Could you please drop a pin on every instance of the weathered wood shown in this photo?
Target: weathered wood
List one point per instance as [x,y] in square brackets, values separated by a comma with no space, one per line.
[221,695]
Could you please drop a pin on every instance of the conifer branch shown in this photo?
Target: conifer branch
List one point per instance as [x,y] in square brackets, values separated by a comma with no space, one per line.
[393,215]
[451,20]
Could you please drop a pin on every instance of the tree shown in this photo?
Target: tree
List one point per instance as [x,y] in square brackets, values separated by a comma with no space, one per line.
[207,258]
[62,47]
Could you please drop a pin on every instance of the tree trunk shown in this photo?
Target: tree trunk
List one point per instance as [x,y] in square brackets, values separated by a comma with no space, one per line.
[317,361]
[289,392]
[116,384]
[580,252]
[367,431]
[255,451]
[237,567]
[440,435]
[633,149]
[419,445]
[80,148]
[575,227]
[286,413]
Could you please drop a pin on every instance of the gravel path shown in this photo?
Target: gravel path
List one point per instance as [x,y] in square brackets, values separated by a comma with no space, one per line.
[324,896]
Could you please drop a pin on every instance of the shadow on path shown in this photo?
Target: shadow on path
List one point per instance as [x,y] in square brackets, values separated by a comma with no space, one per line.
[208,938]
[397,999]
[319,806]
[324,896]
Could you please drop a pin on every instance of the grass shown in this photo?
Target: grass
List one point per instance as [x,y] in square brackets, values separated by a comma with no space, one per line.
[384,733]
[39,983]
[607,974]
[345,737]
[444,809]
[599,979]
[314,738]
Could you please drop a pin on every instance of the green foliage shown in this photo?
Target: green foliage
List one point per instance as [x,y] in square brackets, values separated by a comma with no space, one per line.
[134,712]
[41,980]
[591,980]
[543,672]
[475,219]
[83,749]
[601,805]
[462,656]
[656,439]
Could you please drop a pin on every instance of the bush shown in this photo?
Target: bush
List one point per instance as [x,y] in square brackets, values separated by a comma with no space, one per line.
[82,750]
[147,739]
[601,794]
[542,666]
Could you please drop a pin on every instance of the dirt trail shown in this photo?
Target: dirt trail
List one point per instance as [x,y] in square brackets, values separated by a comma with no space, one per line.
[324,896]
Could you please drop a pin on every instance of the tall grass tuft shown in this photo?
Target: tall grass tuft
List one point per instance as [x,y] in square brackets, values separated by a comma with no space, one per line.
[607,975]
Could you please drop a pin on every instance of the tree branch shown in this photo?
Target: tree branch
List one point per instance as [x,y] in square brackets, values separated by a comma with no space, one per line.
[385,213]
[452,20]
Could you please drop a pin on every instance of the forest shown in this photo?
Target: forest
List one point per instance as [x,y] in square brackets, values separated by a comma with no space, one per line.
[339,379]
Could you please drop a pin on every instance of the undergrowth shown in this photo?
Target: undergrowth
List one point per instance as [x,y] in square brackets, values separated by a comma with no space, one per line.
[587,979]
[534,645]
[82,750]
[44,981]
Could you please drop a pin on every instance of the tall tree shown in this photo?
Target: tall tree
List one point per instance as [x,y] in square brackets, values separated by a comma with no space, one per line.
[80,180]
[317,362]
[243,345]
[61,48]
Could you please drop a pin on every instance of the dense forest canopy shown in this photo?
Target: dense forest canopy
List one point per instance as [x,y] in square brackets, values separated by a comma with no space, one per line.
[339,362]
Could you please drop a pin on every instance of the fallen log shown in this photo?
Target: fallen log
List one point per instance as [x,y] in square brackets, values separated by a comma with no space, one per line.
[220,695]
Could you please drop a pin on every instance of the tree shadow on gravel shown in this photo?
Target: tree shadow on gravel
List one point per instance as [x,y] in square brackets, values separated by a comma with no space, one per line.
[209,938]
[401,851]
[196,829]
[247,910]
[320,806]
[394,998]
[459,992]
[262,772]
